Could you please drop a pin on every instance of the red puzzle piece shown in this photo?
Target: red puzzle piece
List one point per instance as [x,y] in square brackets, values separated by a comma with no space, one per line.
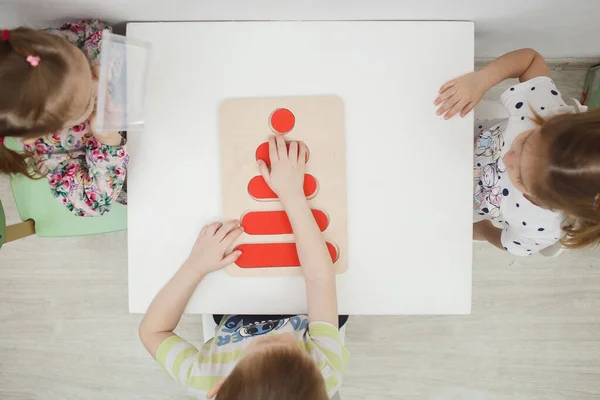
[259,190]
[276,222]
[274,255]
[282,121]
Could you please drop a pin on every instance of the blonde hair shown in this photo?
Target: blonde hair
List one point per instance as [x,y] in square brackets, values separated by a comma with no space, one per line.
[570,180]
[280,373]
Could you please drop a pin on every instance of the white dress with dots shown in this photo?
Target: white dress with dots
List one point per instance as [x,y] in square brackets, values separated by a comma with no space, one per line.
[526,228]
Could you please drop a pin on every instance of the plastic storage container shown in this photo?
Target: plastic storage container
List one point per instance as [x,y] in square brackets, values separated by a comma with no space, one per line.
[122,83]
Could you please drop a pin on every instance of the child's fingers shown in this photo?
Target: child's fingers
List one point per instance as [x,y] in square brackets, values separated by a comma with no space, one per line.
[227,227]
[203,230]
[457,107]
[294,152]
[96,72]
[452,112]
[448,93]
[212,228]
[448,104]
[281,149]
[92,121]
[232,236]
[230,259]
[447,85]
[442,97]
[302,152]
[273,155]
[264,170]
[467,109]
[445,96]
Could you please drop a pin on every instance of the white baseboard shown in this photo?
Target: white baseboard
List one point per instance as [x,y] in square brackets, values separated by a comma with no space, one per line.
[554,63]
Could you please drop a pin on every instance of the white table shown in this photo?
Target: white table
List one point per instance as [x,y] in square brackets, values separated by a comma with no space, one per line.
[410,247]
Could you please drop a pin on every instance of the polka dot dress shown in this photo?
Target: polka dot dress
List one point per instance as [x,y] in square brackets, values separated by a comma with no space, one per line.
[526,228]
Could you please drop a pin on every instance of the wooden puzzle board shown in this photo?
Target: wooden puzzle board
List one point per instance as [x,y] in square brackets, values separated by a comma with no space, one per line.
[244,125]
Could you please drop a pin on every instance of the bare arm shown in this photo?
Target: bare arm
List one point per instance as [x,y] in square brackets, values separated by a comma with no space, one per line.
[524,64]
[166,309]
[462,94]
[210,253]
[319,273]
[286,179]
[485,230]
[108,138]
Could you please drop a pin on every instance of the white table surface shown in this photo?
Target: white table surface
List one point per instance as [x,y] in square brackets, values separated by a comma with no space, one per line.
[409,172]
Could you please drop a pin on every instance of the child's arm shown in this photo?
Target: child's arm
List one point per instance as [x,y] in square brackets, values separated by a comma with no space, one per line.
[286,178]
[524,64]
[485,230]
[317,266]
[464,93]
[210,253]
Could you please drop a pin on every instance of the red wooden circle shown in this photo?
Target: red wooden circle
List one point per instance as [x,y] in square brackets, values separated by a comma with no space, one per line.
[282,121]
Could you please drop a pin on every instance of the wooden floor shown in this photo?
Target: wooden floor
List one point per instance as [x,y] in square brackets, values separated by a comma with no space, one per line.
[65,332]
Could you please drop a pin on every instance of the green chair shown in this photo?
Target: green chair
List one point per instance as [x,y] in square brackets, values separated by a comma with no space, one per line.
[43,215]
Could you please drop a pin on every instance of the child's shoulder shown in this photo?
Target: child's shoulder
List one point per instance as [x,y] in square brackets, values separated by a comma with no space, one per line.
[86,34]
[80,26]
[538,95]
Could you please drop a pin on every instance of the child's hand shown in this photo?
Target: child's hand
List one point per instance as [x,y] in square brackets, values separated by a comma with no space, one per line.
[461,95]
[107,138]
[479,230]
[96,72]
[286,177]
[211,252]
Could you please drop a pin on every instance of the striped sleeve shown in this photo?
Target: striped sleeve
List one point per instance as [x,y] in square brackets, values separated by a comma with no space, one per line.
[327,341]
[184,363]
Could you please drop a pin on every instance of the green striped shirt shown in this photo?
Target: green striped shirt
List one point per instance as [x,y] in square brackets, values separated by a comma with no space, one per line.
[198,370]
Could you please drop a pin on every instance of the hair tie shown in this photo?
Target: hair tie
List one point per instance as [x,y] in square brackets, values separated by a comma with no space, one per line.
[597,202]
[33,60]
[1,139]
[5,34]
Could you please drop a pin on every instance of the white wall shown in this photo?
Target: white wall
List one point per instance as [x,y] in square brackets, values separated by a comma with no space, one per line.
[556,28]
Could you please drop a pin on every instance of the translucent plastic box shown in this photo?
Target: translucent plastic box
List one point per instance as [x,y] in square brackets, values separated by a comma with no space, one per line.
[122,83]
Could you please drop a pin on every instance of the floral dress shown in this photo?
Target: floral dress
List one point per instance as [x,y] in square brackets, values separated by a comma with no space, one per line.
[86,176]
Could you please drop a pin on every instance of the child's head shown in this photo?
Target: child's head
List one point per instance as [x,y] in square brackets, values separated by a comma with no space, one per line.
[558,166]
[41,97]
[273,368]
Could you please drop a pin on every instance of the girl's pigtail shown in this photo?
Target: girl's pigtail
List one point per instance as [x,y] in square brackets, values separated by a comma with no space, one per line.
[12,162]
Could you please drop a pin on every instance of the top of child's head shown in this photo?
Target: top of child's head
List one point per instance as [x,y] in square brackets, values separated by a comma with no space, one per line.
[47,85]
[272,368]
[559,167]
